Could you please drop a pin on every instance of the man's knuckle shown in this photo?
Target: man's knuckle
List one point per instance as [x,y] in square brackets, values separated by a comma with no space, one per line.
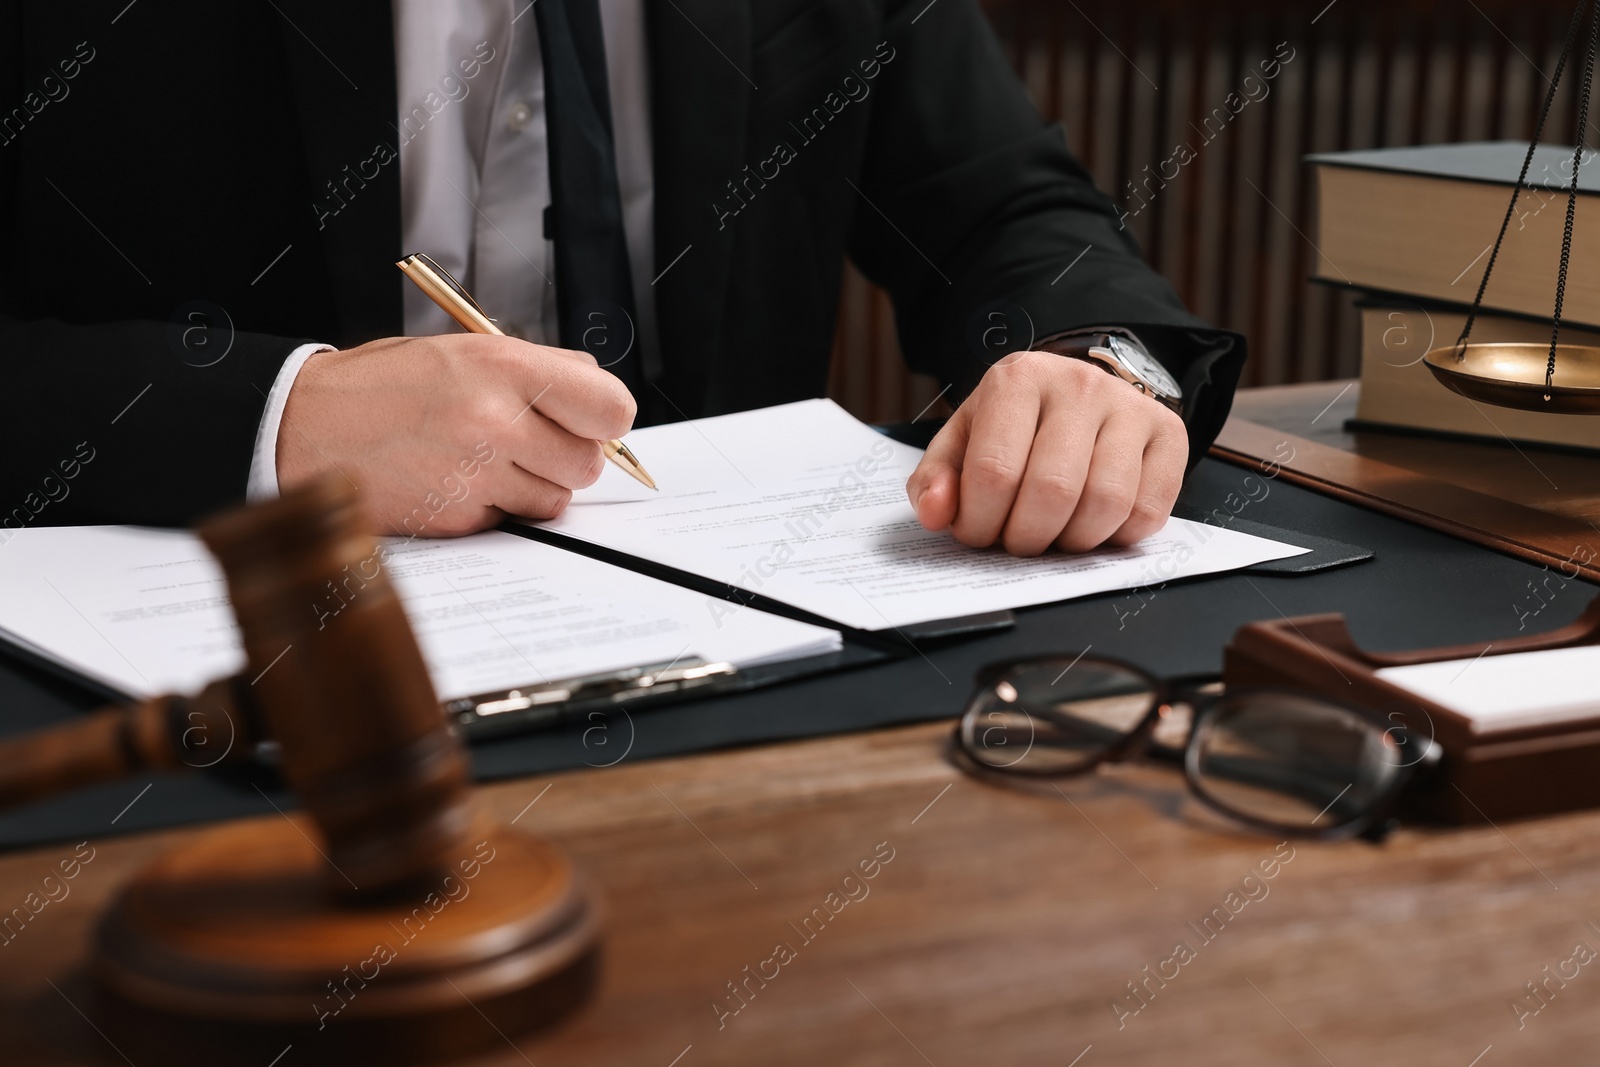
[501,354]
[1148,514]
[1016,367]
[617,408]
[1058,490]
[480,410]
[1082,373]
[590,466]
[1075,541]
[972,537]
[1022,544]
[1168,424]
[1114,495]
[990,470]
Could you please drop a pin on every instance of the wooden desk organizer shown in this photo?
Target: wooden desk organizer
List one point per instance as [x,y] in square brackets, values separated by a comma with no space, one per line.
[1511,773]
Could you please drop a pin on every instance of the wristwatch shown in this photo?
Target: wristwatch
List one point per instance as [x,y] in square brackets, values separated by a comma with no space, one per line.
[1120,352]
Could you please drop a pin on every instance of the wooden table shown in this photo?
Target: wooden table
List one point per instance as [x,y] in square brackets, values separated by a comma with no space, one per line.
[1539,504]
[1003,929]
[1562,482]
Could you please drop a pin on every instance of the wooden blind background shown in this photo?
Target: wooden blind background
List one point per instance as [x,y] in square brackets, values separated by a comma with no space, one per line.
[1131,80]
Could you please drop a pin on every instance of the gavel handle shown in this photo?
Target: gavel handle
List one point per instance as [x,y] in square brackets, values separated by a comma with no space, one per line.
[166,733]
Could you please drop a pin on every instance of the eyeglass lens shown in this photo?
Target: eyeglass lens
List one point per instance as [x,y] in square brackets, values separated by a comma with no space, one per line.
[1055,716]
[1293,761]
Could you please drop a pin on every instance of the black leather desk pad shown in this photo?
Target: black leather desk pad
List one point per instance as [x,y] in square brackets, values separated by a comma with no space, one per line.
[1325,554]
[1421,589]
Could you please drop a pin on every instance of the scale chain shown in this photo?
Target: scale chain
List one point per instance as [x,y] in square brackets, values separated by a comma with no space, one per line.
[1522,180]
[1572,202]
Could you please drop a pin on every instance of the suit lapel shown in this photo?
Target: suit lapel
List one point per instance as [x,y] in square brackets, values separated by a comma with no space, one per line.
[700,99]
[341,65]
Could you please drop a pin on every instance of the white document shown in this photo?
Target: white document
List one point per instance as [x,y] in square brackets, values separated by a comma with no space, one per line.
[146,611]
[1498,693]
[804,504]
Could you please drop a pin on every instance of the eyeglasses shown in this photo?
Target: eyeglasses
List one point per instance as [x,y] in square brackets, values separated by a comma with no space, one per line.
[1278,760]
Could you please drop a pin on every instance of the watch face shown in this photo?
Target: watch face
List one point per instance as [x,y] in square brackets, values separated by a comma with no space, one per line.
[1143,366]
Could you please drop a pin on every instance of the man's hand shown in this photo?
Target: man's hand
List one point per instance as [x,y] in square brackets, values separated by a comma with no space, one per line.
[1051,451]
[444,435]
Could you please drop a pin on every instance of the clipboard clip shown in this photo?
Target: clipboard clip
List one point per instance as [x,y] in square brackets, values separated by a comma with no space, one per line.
[607,688]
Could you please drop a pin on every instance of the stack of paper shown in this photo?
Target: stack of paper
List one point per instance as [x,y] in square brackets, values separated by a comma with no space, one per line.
[1509,691]
[806,505]
[146,611]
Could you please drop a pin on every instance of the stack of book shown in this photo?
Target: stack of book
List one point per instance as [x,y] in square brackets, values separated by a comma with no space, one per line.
[1412,229]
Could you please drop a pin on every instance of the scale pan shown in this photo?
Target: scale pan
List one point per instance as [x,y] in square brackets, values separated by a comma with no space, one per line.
[1512,376]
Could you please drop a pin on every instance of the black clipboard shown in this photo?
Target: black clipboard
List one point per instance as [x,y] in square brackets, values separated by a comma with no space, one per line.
[478,718]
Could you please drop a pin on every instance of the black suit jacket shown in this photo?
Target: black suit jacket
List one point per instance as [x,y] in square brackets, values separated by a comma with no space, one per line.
[171,165]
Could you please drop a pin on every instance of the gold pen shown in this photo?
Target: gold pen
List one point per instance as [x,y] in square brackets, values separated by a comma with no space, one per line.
[445,291]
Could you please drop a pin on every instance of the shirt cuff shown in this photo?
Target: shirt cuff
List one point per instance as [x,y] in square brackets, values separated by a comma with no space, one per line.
[263,483]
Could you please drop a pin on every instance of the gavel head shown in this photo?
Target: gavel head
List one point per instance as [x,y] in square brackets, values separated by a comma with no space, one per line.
[342,687]
[257,935]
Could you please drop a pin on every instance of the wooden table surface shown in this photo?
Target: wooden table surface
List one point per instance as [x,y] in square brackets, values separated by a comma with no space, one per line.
[1560,482]
[1000,931]
[1538,504]
[1003,928]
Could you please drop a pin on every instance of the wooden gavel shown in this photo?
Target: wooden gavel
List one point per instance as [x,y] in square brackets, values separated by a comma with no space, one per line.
[348,700]
[247,934]
[164,733]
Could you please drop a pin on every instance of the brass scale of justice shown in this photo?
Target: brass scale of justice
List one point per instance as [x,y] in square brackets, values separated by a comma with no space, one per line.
[1525,375]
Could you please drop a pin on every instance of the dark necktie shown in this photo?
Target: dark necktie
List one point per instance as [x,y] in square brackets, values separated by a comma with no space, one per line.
[594,290]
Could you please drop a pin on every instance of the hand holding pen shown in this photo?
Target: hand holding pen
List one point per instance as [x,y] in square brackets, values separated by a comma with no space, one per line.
[446,435]
[448,293]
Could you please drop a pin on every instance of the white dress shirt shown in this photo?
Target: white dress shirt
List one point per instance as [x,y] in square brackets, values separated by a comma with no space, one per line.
[475,175]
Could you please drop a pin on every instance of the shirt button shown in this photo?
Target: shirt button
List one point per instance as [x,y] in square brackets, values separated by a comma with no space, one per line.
[519,116]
